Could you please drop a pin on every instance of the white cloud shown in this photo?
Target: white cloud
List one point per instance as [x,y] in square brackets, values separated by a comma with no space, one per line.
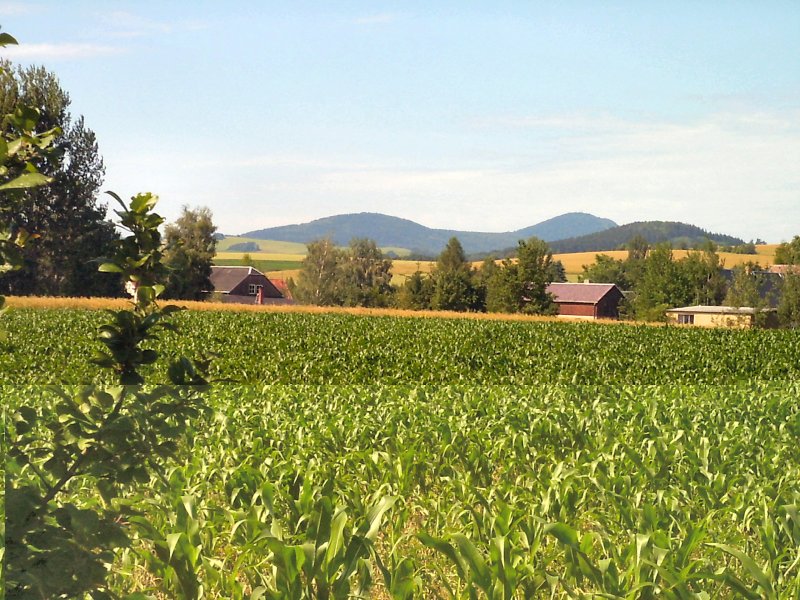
[59,51]
[732,173]
[16,9]
[125,24]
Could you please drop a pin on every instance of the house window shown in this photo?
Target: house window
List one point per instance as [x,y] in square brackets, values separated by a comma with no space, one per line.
[252,289]
[686,319]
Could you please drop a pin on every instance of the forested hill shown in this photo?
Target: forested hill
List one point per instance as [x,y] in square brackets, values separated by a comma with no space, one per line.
[394,231]
[680,235]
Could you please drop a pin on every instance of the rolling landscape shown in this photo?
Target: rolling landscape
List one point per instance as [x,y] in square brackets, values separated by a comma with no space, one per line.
[200,405]
[574,238]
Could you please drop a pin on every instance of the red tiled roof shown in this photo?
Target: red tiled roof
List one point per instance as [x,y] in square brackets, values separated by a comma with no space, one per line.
[580,293]
[282,286]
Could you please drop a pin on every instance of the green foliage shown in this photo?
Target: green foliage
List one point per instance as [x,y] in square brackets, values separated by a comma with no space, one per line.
[65,215]
[189,251]
[703,272]
[750,287]
[746,248]
[74,453]
[20,147]
[788,253]
[320,348]
[605,269]
[789,305]
[366,276]
[520,285]
[453,287]
[632,491]
[416,292]
[358,276]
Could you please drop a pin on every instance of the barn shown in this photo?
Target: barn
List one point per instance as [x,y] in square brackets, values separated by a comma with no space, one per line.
[586,300]
[245,285]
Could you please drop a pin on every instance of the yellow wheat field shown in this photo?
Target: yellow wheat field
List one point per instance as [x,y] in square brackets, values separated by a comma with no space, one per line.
[49,302]
[573,262]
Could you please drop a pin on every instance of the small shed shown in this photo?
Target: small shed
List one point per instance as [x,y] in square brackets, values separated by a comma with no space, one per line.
[245,285]
[737,317]
[587,300]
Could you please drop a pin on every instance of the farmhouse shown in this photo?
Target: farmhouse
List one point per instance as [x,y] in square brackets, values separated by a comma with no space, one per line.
[586,300]
[245,285]
[743,317]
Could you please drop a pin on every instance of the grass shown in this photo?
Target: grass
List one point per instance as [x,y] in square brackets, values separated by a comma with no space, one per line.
[271,246]
[237,256]
[265,266]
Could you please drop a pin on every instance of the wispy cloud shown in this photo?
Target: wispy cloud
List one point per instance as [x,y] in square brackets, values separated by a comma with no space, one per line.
[730,172]
[125,24]
[16,9]
[377,19]
[59,52]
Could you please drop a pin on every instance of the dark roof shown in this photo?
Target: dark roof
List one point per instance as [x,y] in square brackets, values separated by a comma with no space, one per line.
[224,279]
[581,293]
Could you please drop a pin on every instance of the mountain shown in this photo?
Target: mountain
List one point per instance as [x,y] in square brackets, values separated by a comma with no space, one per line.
[394,231]
[680,235]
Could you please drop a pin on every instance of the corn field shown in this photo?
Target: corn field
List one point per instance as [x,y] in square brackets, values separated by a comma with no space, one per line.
[357,457]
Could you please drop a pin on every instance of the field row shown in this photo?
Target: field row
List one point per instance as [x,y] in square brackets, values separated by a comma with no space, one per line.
[52,346]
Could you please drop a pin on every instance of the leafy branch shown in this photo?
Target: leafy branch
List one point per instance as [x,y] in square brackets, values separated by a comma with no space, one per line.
[98,443]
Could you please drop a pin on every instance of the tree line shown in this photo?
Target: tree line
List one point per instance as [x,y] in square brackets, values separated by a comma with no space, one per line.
[651,277]
[360,275]
[656,281]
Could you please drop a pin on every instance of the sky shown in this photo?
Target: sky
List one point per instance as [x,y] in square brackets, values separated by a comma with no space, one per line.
[482,116]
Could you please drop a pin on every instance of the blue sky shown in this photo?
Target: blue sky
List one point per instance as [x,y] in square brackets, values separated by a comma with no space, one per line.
[481,116]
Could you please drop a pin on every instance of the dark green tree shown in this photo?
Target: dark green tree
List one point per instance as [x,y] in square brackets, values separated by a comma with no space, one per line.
[638,249]
[558,274]
[67,216]
[189,250]
[745,288]
[606,269]
[703,270]
[503,289]
[482,277]
[788,253]
[536,271]
[520,285]
[453,288]
[318,282]
[663,285]
[416,292]
[789,304]
[366,275]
